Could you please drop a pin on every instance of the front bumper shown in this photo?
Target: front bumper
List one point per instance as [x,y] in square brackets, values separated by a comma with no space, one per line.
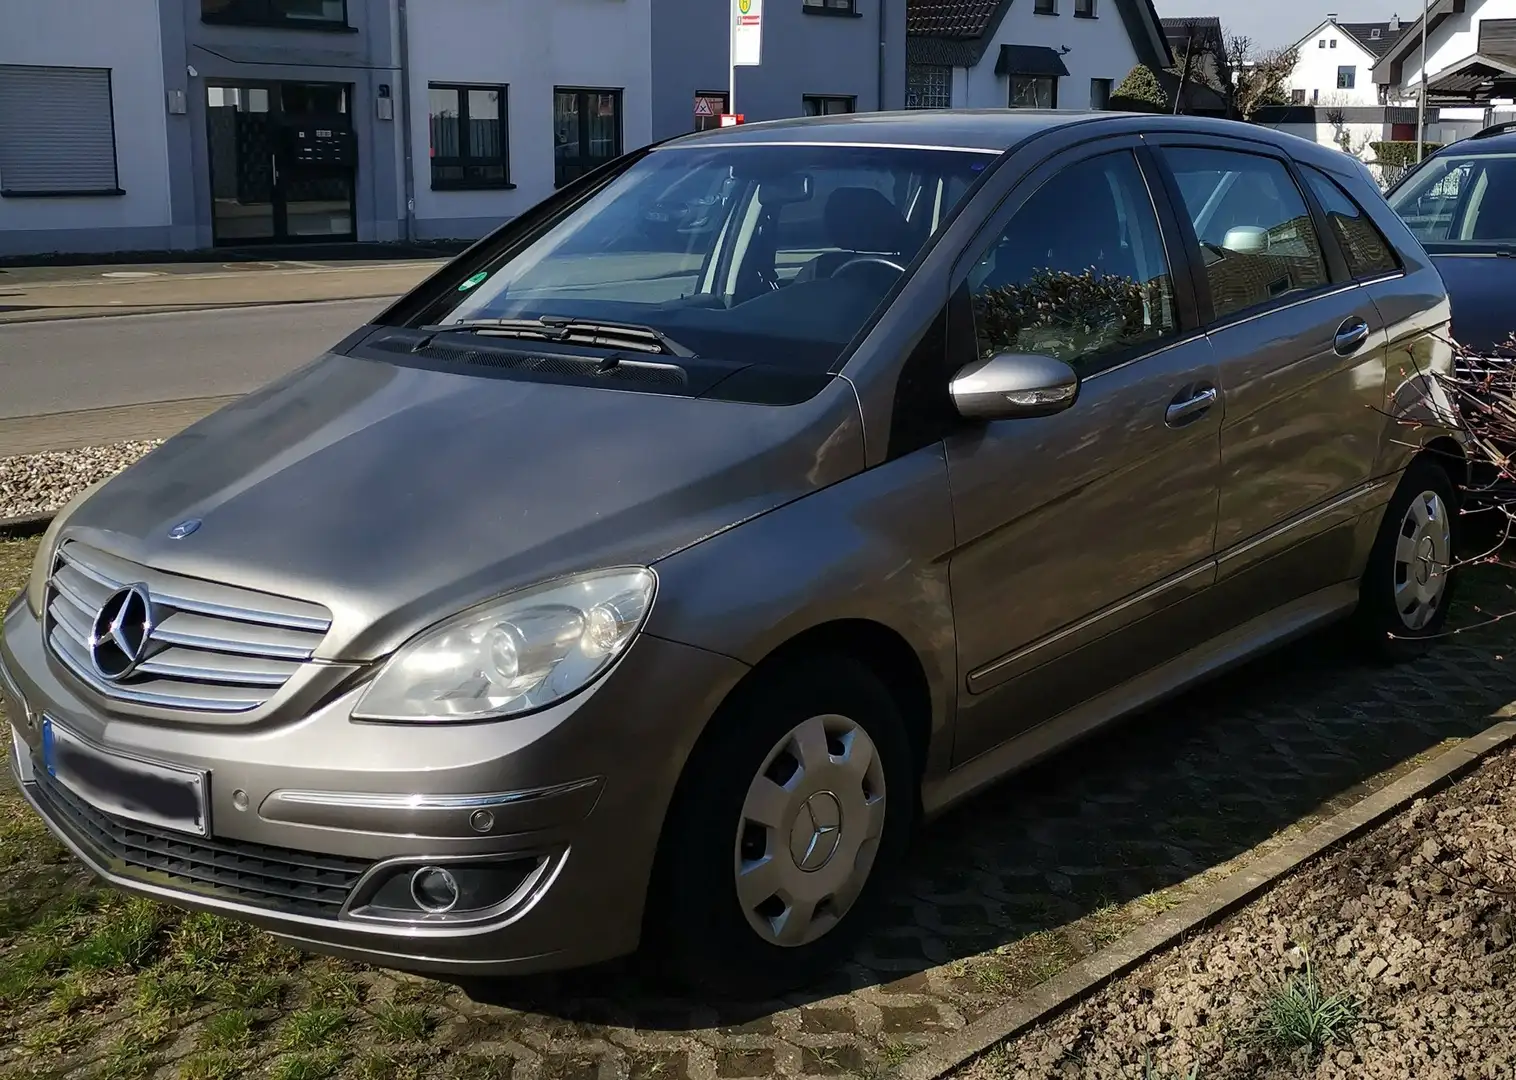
[309,814]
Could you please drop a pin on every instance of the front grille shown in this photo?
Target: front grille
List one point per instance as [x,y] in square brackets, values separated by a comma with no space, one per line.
[212,648]
[287,881]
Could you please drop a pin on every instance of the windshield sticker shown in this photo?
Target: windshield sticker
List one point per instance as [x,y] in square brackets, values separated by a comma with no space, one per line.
[471,282]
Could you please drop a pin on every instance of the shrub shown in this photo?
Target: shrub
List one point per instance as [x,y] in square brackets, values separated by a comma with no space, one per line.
[1401,152]
[1141,91]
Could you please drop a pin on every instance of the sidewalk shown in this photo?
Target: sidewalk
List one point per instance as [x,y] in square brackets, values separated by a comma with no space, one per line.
[37,294]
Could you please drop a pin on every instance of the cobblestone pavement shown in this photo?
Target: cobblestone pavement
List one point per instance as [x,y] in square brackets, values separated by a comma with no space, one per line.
[1002,893]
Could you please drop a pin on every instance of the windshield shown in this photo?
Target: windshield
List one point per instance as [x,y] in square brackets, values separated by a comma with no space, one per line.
[767,254]
[1466,202]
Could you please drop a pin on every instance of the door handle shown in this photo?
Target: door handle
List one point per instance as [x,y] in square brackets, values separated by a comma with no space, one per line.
[1188,408]
[1350,335]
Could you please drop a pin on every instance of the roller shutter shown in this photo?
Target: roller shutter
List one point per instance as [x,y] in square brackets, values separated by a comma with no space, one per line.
[57,132]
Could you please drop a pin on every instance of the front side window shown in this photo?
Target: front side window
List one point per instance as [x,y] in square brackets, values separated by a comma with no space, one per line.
[57,131]
[765,255]
[291,13]
[1079,272]
[1256,236]
[586,131]
[1347,77]
[819,105]
[1367,252]
[469,143]
[1034,92]
[1460,202]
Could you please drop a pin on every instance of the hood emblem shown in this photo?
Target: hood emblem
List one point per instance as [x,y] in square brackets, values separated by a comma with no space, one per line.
[183,529]
[119,636]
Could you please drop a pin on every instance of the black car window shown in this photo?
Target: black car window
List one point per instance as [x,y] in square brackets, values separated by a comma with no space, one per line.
[1256,236]
[1460,202]
[1367,251]
[1079,271]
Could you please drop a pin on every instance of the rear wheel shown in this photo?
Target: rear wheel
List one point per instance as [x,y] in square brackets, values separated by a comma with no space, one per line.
[789,819]
[1409,581]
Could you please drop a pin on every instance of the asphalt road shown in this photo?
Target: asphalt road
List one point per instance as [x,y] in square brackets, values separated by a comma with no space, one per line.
[73,364]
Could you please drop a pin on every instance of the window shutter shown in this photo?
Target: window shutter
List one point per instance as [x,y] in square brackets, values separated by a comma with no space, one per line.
[57,134]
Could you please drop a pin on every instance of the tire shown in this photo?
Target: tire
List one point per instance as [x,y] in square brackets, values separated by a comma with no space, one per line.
[1406,589]
[813,748]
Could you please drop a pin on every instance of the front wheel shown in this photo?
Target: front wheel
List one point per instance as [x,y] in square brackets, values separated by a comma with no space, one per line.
[789,819]
[1408,583]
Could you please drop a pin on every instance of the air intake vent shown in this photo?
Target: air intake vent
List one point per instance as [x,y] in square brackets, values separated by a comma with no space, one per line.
[558,366]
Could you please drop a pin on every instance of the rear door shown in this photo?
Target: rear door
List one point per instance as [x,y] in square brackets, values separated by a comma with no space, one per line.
[1301,348]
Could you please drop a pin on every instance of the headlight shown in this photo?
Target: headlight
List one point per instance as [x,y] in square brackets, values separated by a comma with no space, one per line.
[515,654]
[42,565]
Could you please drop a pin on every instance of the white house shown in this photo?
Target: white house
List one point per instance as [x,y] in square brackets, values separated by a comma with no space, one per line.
[83,136]
[1066,54]
[509,98]
[1336,62]
[1470,65]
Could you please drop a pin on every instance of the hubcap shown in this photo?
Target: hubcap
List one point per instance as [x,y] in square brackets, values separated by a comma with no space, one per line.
[810,830]
[1423,554]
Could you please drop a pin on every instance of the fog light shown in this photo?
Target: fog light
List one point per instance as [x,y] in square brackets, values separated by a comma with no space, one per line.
[434,890]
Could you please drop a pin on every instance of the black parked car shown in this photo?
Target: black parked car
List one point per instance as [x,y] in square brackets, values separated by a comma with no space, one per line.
[1461,204]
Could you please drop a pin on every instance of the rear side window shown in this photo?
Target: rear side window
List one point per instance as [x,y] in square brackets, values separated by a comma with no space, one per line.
[1256,237]
[1367,251]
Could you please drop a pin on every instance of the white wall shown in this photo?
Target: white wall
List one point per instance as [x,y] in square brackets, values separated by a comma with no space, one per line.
[1099,48]
[122,35]
[531,46]
[1455,38]
[1316,69]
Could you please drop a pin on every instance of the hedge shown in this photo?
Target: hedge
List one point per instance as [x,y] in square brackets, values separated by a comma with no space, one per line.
[1401,151]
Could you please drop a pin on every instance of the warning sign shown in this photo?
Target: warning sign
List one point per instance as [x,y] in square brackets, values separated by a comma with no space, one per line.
[705,107]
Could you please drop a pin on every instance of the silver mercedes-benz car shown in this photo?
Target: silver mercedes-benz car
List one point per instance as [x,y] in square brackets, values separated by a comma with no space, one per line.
[641,582]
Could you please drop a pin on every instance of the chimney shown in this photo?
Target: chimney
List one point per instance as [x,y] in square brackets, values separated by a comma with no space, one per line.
[1395,24]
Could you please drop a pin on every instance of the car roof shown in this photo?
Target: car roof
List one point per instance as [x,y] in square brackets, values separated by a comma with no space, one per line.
[1503,142]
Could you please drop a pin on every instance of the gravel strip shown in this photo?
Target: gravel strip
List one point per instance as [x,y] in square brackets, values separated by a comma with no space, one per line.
[37,483]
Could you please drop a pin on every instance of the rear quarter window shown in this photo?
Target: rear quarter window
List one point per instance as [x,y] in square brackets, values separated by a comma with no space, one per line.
[1367,252]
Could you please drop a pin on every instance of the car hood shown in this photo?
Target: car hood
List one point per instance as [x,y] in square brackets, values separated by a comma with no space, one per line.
[395,495]
[1480,289]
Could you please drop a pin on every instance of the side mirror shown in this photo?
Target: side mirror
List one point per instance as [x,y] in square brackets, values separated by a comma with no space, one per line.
[1246,239]
[1010,386]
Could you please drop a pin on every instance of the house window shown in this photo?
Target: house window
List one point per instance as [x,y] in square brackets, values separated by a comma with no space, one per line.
[830,7]
[1084,9]
[57,132]
[1321,43]
[470,136]
[1046,7]
[1374,34]
[828,106]
[1034,92]
[1297,97]
[1347,77]
[928,86]
[319,14]
[1332,44]
[586,131]
[1100,93]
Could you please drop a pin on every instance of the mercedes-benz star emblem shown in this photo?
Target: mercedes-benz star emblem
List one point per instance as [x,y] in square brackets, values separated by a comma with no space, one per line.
[817,831]
[119,636]
[183,529]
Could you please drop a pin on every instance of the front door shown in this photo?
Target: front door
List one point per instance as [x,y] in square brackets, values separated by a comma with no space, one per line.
[1082,537]
[282,162]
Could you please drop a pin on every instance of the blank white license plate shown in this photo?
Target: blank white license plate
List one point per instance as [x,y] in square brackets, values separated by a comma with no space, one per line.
[127,787]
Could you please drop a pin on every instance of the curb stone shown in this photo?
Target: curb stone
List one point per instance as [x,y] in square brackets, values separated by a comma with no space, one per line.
[16,528]
[1090,974]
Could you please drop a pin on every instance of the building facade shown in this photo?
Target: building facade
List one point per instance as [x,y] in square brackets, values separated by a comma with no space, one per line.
[84,159]
[1065,54]
[1335,62]
[1470,66]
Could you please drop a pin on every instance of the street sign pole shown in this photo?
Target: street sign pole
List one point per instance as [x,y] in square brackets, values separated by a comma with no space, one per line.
[731,86]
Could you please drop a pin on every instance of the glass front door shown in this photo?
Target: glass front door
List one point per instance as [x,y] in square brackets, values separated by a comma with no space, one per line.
[281,163]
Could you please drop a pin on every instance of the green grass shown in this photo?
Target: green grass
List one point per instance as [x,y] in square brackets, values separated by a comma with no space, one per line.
[1298,1014]
[313,1028]
[227,1031]
[402,1023]
[306,1065]
[125,935]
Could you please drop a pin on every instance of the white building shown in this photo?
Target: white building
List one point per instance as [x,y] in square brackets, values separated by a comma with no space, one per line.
[1336,62]
[83,142]
[1471,65]
[509,98]
[1066,54]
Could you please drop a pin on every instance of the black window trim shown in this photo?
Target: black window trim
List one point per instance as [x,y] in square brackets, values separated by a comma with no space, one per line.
[962,344]
[277,22]
[591,164]
[465,160]
[116,189]
[1201,283]
[822,7]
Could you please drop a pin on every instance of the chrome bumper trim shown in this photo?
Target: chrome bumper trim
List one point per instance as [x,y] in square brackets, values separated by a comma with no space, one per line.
[348,800]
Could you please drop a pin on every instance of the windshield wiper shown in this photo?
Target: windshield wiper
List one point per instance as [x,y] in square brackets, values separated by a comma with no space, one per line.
[568,331]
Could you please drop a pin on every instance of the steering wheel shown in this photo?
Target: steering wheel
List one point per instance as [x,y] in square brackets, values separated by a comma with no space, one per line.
[867,260]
